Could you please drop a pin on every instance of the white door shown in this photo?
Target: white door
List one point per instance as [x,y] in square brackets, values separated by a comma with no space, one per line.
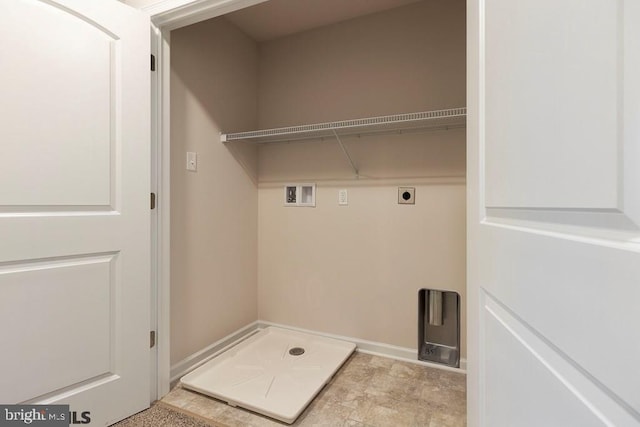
[554,212]
[74,206]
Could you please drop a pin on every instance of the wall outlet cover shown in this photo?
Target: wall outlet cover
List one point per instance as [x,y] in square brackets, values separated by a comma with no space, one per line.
[406,195]
[343,197]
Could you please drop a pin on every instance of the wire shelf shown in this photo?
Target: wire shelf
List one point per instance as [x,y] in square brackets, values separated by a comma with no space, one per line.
[426,120]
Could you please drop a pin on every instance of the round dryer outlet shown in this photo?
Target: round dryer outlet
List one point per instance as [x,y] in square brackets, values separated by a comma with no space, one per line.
[407,195]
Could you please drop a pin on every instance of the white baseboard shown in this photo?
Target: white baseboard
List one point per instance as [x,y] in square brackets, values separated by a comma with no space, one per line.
[376,348]
[369,347]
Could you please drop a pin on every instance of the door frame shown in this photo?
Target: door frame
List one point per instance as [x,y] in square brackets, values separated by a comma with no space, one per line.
[475,206]
[166,16]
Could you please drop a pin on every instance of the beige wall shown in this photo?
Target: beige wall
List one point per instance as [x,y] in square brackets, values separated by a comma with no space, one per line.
[356,270]
[238,255]
[406,59]
[213,210]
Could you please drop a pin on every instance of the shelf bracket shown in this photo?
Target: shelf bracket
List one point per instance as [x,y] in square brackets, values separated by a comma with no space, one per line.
[346,153]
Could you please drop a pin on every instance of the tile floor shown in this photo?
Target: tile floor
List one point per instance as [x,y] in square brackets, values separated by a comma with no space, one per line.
[368,391]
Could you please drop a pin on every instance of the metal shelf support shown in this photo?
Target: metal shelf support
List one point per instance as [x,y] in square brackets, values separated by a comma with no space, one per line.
[346,153]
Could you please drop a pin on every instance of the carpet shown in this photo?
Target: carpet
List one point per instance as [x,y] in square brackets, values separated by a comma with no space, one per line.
[161,415]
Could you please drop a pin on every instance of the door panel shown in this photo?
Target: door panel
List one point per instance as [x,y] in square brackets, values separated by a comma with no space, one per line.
[44,287]
[520,356]
[76,89]
[579,294]
[553,220]
[74,207]
[560,63]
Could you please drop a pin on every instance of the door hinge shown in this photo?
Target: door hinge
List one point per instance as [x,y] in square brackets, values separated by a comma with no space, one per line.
[152,339]
[153,62]
[153,201]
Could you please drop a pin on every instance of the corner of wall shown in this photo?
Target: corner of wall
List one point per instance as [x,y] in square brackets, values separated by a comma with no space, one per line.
[214,209]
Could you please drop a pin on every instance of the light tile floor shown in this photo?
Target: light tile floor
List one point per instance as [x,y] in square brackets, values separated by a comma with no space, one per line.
[367,391]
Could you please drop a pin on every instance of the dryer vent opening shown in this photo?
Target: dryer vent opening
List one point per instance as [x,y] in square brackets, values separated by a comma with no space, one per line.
[439,327]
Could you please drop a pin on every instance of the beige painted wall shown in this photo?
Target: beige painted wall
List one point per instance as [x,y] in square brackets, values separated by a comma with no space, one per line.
[406,59]
[214,210]
[356,270]
[239,255]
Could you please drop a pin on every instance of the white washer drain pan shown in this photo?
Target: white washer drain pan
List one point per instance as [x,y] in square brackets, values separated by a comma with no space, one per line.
[260,373]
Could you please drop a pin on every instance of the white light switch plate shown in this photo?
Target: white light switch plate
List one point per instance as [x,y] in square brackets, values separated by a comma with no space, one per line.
[192,161]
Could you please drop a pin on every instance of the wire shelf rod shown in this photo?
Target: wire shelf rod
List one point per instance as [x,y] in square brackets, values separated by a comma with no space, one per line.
[439,118]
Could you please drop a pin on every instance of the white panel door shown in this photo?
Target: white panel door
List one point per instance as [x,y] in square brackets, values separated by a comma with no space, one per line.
[554,212]
[74,206]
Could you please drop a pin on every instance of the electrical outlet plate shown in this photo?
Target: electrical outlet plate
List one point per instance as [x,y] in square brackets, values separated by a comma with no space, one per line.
[343,197]
[406,195]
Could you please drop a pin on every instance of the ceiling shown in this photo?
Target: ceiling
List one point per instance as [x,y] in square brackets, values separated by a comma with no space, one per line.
[278,18]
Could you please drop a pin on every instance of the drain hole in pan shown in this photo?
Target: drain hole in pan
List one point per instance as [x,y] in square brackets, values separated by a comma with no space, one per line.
[296,351]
